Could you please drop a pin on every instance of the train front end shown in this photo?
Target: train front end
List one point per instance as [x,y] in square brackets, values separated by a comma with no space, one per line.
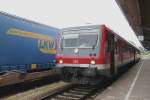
[78,57]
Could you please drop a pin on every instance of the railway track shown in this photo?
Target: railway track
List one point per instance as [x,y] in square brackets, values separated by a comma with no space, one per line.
[15,89]
[72,92]
[57,91]
[82,92]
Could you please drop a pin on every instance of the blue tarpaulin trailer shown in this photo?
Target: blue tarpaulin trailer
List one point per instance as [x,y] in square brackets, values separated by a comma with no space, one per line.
[26,45]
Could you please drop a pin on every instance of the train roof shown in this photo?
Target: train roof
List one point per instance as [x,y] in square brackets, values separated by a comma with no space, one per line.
[26,20]
[89,27]
[128,42]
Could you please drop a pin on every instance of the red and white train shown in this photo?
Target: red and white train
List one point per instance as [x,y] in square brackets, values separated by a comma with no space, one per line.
[87,52]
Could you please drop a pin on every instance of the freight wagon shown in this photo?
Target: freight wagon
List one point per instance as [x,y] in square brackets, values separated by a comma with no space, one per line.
[26,46]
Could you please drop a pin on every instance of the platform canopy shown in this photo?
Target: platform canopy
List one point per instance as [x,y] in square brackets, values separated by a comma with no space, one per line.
[137,13]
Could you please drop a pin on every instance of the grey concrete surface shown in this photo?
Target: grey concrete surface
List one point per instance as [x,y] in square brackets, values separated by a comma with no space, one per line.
[133,85]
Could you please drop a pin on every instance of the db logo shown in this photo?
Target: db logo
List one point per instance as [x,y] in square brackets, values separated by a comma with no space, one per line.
[75,61]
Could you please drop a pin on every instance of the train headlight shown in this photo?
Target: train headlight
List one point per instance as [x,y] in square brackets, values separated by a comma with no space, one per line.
[92,62]
[60,61]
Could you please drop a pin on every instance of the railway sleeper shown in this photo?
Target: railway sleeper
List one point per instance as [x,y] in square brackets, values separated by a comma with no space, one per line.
[61,97]
[78,92]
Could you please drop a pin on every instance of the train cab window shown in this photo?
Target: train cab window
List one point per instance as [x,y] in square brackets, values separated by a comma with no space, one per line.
[80,40]
[70,40]
[87,40]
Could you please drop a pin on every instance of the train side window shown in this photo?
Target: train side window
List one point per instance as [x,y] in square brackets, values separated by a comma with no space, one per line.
[109,43]
[107,46]
[116,46]
[125,47]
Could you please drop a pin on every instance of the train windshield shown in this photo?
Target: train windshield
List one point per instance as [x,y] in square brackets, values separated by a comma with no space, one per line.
[80,40]
[87,40]
[70,40]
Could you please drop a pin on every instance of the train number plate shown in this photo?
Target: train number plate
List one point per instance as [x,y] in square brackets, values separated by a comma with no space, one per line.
[75,61]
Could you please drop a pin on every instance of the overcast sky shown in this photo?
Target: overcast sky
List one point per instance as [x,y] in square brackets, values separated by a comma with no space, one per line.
[67,13]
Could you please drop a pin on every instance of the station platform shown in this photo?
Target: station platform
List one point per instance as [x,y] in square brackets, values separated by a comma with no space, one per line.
[132,85]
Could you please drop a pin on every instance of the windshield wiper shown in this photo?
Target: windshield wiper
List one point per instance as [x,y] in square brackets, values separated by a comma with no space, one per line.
[93,47]
[61,44]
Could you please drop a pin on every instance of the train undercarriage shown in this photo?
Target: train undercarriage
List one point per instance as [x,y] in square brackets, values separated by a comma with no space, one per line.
[80,75]
[90,75]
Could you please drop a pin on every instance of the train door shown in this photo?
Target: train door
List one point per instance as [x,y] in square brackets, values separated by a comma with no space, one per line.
[112,55]
[134,52]
[116,54]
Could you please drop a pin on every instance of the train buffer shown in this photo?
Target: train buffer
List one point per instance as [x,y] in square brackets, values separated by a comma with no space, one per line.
[132,85]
